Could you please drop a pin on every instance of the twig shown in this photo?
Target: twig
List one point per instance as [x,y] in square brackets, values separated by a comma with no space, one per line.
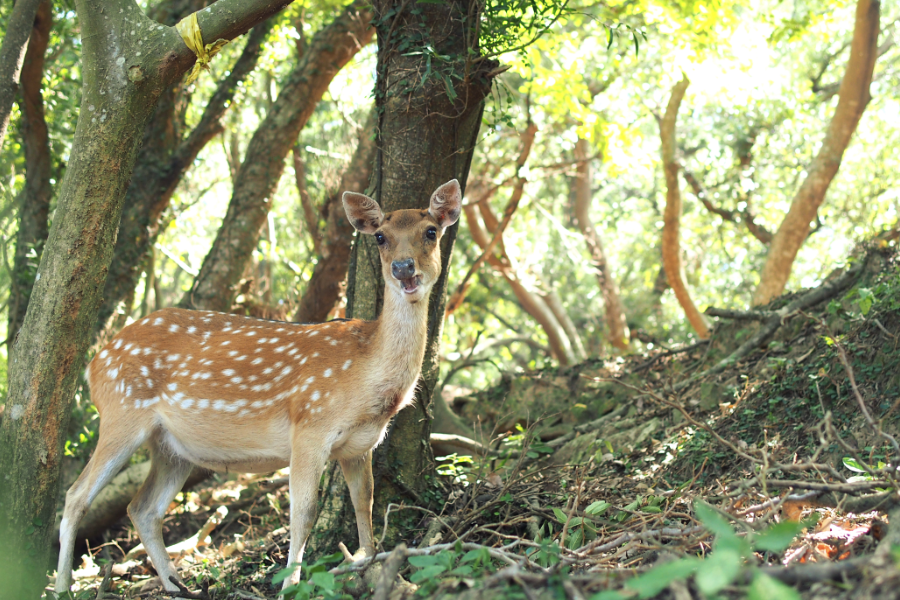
[104,585]
[183,592]
[389,573]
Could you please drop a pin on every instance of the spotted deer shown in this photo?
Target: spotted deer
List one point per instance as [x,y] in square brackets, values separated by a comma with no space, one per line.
[232,393]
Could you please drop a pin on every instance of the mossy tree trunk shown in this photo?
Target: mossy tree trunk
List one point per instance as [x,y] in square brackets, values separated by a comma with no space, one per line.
[127,61]
[425,138]
[34,199]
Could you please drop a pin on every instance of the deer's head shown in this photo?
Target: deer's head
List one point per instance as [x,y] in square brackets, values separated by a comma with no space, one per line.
[408,240]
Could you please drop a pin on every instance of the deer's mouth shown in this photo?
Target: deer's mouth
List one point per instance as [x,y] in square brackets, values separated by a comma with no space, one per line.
[410,285]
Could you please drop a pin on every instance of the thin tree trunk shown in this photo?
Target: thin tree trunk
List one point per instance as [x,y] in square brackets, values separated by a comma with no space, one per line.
[12,52]
[329,50]
[852,100]
[122,82]
[619,335]
[34,200]
[324,287]
[671,237]
[531,303]
[163,161]
[310,218]
[554,303]
[425,138]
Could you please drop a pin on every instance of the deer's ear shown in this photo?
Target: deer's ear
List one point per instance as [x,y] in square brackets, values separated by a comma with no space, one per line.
[362,212]
[446,204]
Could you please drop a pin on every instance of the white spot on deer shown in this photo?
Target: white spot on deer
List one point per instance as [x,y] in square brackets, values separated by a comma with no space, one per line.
[267,370]
[252,378]
[103,354]
[286,370]
[243,357]
[243,412]
[137,403]
[177,397]
[157,364]
[173,357]
[144,370]
[151,401]
[227,329]
[292,351]
[233,353]
[237,379]
[173,328]
[150,383]
[202,403]
[328,373]
[315,354]
[118,344]
[256,360]
[187,403]
[313,332]
[172,386]
[333,342]
[257,404]
[316,395]
[303,362]
[158,321]
[228,372]
[280,348]
[128,392]
[146,351]
[347,364]
[251,333]
[112,373]
[262,340]
[192,329]
[273,340]
[305,385]
[307,406]
[219,404]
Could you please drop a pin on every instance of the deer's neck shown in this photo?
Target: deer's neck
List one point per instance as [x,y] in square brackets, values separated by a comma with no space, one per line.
[399,341]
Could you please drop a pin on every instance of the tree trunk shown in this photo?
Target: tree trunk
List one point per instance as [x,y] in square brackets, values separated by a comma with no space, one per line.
[310,218]
[671,237]
[619,335]
[164,159]
[852,100]
[426,136]
[324,287]
[127,61]
[34,200]
[12,52]
[329,50]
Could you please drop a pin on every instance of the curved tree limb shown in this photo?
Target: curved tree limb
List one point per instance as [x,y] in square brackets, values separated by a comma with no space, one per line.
[852,100]
[671,237]
[12,53]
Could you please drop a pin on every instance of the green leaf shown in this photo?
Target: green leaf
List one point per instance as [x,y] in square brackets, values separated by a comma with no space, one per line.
[608,595]
[713,521]
[283,574]
[425,560]
[853,465]
[769,588]
[777,537]
[324,580]
[597,508]
[560,515]
[719,570]
[427,573]
[659,578]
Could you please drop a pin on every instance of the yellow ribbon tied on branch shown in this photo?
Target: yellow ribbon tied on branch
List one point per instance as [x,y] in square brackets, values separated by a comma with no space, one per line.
[189,29]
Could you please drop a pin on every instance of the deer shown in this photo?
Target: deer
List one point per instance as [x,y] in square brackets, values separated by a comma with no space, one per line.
[232,393]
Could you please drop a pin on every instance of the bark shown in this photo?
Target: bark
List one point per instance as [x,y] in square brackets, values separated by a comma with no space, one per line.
[671,237]
[122,80]
[531,303]
[12,53]
[164,159]
[330,49]
[324,288]
[852,100]
[310,219]
[554,303]
[619,335]
[34,200]
[426,136]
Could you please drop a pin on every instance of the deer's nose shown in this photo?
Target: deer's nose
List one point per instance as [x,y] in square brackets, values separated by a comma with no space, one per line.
[403,269]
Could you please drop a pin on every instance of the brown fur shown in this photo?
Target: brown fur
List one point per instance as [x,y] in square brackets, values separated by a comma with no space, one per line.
[229,392]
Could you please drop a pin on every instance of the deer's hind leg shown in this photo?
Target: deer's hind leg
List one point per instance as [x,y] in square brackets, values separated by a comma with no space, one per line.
[168,472]
[114,447]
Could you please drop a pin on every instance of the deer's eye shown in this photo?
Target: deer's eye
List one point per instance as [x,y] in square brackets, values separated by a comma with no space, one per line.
[431,233]
[380,239]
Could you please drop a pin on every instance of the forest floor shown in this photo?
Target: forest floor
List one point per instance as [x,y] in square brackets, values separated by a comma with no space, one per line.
[758,464]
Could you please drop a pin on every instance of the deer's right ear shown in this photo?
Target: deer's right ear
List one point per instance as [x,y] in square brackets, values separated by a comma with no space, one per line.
[362,212]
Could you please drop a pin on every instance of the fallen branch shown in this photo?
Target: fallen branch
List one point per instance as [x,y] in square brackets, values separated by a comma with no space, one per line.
[199,539]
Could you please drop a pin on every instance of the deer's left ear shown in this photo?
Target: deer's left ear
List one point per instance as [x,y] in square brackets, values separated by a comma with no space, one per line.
[446,204]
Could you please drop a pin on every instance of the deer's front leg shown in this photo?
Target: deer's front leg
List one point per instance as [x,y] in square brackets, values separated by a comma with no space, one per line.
[358,473]
[307,463]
